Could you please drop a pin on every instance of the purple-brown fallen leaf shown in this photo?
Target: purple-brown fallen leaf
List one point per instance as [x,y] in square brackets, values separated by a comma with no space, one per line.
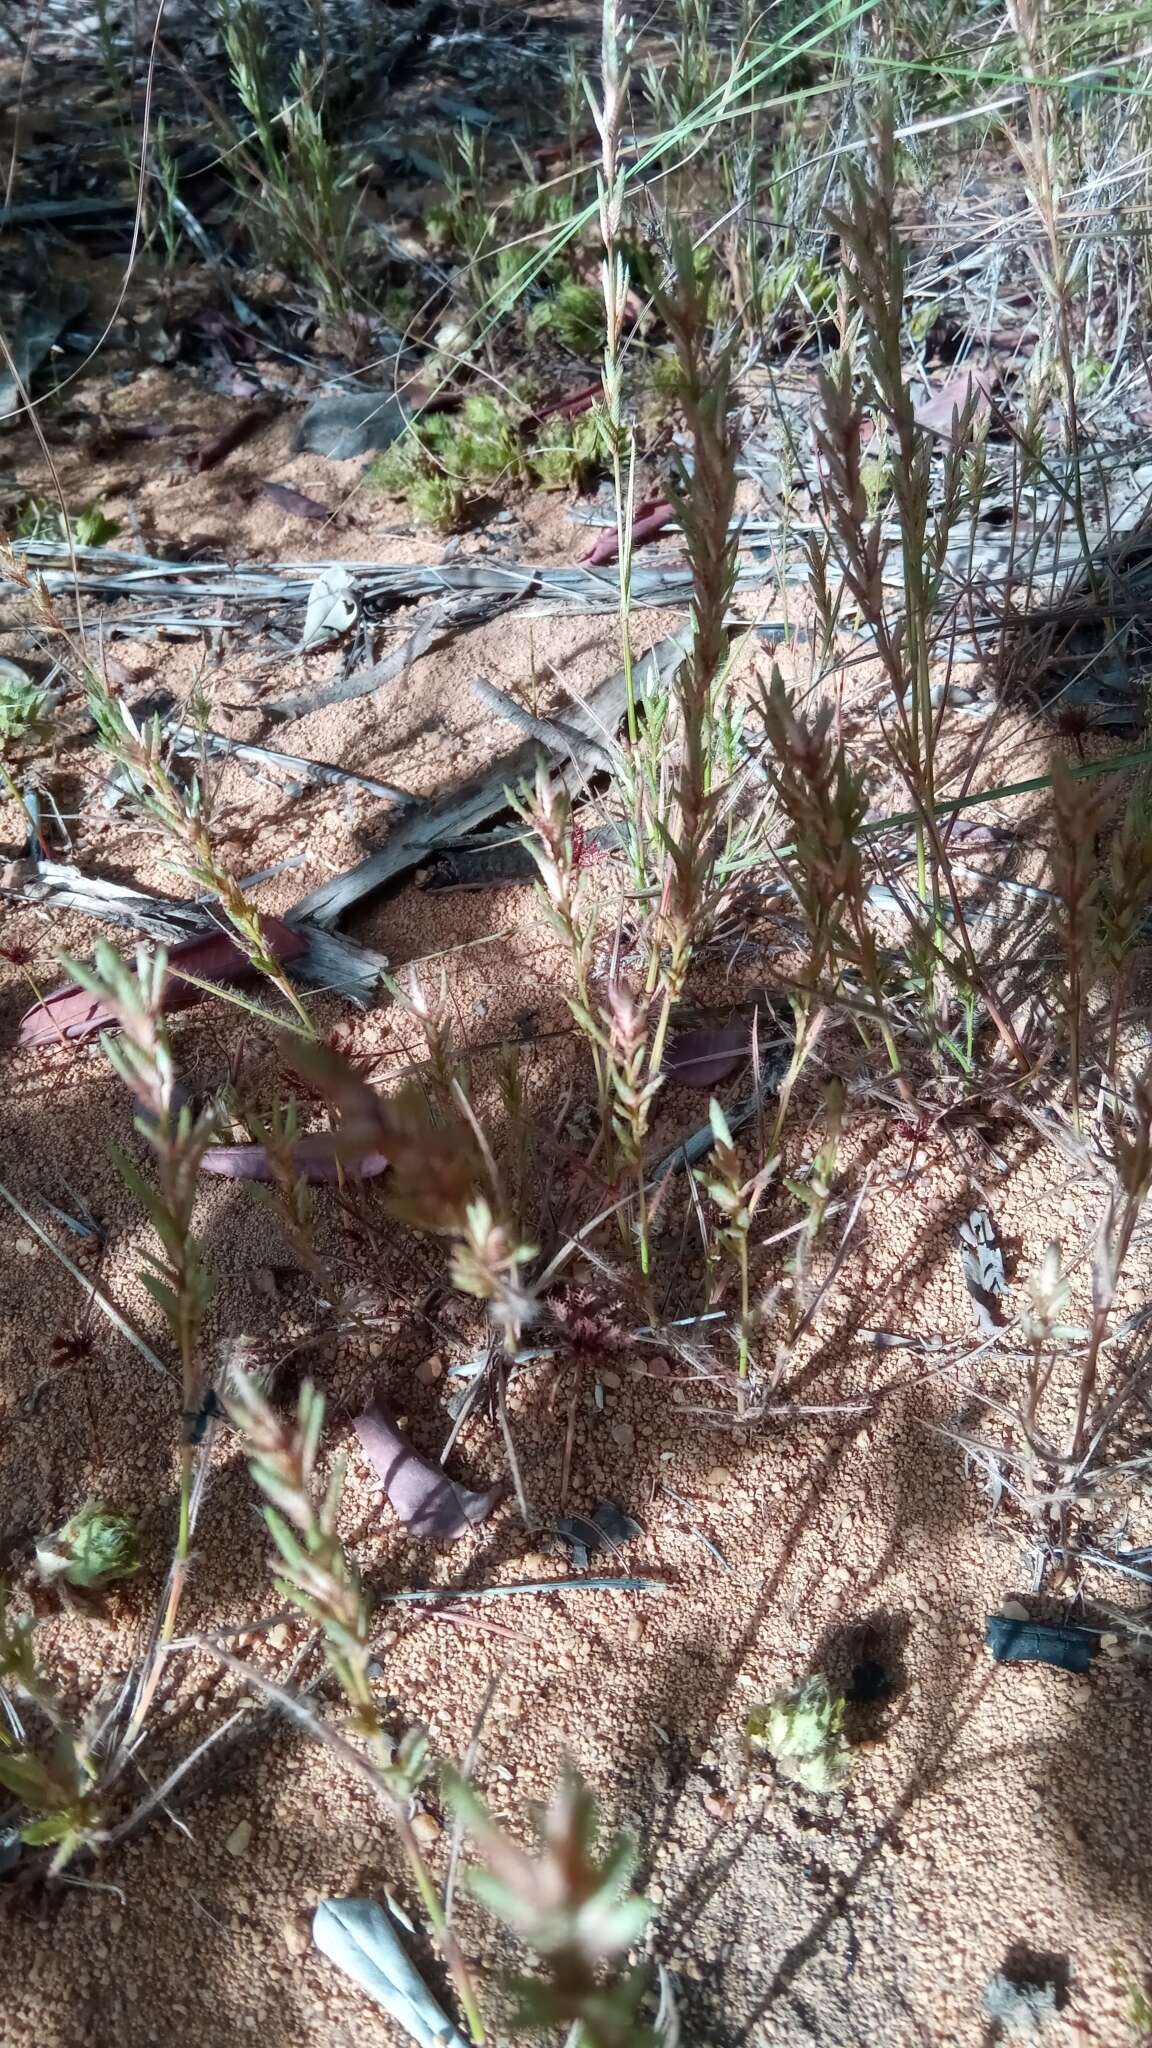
[317,1157]
[298,503]
[702,1055]
[426,1500]
[72,1013]
[240,429]
[650,519]
[148,430]
[937,412]
[568,408]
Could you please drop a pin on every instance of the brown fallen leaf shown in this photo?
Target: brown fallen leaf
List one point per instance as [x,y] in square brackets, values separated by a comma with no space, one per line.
[937,412]
[699,1056]
[148,430]
[298,503]
[427,1501]
[318,1157]
[650,519]
[72,1013]
[240,429]
[568,408]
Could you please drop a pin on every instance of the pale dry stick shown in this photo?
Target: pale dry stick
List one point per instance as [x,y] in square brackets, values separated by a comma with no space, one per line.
[467,1770]
[95,1294]
[837,1259]
[110,1838]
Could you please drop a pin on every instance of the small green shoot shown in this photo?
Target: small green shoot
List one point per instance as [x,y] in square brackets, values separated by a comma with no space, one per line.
[93,528]
[801,1729]
[94,1547]
[25,709]
[572,1904]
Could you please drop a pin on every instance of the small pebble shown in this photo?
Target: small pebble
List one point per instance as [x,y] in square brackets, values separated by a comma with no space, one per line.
[1014,1610]
[624,1435]
[430,1369]
[238,1840]
[280,1637]
[426,1828]
[297,1935]
[26,1246]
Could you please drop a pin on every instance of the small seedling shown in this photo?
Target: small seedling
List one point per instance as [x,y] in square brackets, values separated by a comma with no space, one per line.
[93,529]
[435,501]
[573,315]
[801,1728]
[1020,2011]
[25,708]
[95,1547]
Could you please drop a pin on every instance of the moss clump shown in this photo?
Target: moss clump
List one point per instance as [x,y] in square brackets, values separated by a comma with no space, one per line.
[568,454]
[573,314]
[436,464]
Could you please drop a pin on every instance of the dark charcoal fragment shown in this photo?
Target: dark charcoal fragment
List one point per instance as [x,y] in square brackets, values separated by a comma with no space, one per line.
[1037,1642]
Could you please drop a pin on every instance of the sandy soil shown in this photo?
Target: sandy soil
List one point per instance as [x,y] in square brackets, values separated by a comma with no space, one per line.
[995,1812]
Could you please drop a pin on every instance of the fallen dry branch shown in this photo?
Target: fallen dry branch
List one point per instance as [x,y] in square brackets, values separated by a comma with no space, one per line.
[323,959]
[481,796]
[432,629]
[300,767]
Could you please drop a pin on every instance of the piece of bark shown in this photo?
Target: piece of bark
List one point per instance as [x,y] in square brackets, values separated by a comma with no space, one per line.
[558,735]
[191,740]
[329,961]
[432,628]
[426,1500]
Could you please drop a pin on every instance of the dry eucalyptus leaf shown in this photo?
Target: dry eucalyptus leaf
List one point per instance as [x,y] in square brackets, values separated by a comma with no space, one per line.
[332,607]
[357,1936]
[937,413]
[702,1056]
[427,1501]
[319,1157]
